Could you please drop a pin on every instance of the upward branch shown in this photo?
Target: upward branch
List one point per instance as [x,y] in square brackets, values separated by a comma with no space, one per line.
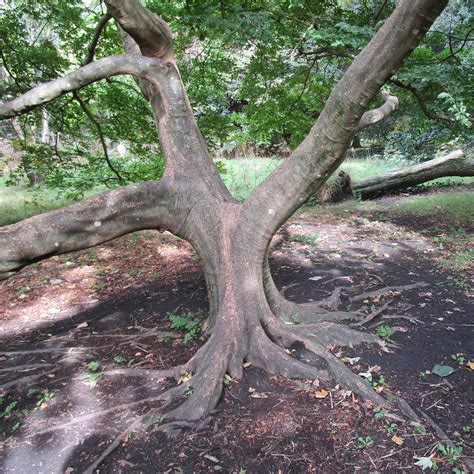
[322,151]
[149,31]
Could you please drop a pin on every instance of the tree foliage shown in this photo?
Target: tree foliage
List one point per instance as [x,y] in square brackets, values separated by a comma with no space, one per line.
[258,73]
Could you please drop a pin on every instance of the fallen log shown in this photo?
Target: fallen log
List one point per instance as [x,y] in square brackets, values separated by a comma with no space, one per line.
[342,186]
[453,164]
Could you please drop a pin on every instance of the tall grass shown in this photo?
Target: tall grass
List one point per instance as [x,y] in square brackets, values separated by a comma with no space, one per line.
[244,174]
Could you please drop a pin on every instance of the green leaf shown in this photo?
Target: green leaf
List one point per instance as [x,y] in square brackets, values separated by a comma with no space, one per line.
[93,366]
[442,370]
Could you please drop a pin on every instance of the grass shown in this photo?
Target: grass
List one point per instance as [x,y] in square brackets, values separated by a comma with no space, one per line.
[458,207]
[244,174]
[20,202]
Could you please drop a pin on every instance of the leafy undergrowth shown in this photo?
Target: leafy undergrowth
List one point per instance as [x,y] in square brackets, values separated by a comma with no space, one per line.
[139,302]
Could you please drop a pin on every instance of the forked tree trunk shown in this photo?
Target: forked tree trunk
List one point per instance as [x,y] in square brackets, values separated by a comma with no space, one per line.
[247,320]
[453,164]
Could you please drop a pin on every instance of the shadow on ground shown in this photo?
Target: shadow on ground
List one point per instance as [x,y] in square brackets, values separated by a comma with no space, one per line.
[59,413]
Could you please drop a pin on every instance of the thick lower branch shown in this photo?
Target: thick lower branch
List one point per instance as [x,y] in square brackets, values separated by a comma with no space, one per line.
[91,222]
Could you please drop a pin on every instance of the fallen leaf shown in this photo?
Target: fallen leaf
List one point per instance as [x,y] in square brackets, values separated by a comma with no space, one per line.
[442,370]
[424,462]
[351,360]
[320,394]
[82,325]
[398,440]
[184,378]
[246,365]
[470,364]
[211,458]
[43,406]
[255,394]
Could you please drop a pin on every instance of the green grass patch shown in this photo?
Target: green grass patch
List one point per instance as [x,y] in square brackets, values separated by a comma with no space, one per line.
[457,207]
[363,168]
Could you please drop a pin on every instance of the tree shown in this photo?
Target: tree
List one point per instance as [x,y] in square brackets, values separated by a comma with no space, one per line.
[247,313]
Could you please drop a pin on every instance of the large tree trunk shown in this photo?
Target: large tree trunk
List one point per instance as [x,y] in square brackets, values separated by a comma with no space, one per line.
[248,317]
[453,164]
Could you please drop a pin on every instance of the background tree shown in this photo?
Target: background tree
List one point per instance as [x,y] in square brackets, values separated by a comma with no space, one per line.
[247,313]
[258,74]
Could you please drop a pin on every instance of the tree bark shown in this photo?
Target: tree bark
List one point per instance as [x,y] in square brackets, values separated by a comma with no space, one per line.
[453,164]
[247,313]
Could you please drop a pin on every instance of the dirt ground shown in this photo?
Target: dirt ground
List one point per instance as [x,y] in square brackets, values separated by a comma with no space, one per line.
[67,320]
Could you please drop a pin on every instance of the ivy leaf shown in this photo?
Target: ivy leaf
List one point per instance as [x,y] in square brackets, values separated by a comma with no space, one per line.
[442,370]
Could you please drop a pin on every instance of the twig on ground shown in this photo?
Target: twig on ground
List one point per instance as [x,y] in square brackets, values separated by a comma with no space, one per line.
[376,277]
[114,445]
[337,278]
[400,316]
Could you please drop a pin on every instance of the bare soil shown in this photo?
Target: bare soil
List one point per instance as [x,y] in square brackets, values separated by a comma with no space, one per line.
[111,305]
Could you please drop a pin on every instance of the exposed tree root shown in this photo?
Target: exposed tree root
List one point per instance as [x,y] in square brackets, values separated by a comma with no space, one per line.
[25,368]
[24,381]
[46,350]
[287,337]
[167,397]
[162,374]
[309,313]
[386,289]
[336,334]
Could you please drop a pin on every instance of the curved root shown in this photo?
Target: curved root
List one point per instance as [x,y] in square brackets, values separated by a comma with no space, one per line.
[335,334]
[338,370]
